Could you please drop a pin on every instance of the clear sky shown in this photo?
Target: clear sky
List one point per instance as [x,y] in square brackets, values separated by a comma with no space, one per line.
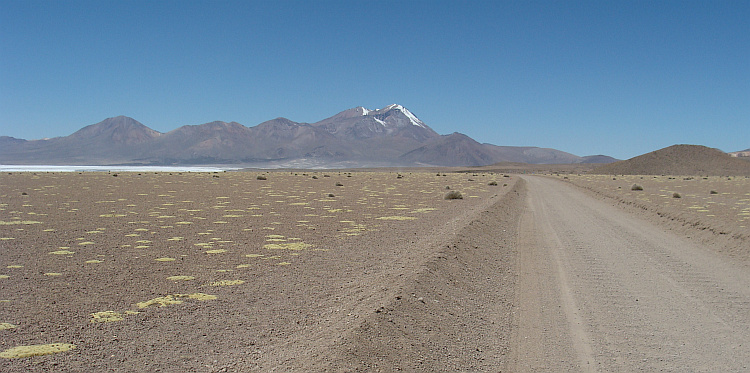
[620,78]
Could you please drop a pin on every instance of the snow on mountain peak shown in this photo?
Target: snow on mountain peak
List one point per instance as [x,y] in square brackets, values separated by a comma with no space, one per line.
[380,118]
[412,118]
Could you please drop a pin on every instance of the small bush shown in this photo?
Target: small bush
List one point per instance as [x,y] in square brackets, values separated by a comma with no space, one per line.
[713,192]
[454,194]
[314,177]
[676,195]
[261,177]
[492,183]
[331,195]
[636,187]
[339,184]
[447,187]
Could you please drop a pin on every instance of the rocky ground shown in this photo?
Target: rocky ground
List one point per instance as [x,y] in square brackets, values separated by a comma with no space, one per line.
[372,271]
[226,272]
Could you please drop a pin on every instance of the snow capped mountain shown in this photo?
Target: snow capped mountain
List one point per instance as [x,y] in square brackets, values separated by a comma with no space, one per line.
[412,118]
[381,114]
[393,121]
[357,137]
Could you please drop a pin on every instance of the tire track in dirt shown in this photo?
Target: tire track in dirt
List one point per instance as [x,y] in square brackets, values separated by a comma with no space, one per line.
[648,299]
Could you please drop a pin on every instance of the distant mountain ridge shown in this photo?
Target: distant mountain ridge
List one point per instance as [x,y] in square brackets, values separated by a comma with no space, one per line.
[743,154]
[357,137]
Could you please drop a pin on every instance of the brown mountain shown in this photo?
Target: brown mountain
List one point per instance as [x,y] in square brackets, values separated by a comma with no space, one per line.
[115,131]
[357,137]
[112,140]
[679,160]
[455,149]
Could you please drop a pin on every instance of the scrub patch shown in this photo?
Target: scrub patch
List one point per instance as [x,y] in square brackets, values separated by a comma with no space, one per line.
[36,350]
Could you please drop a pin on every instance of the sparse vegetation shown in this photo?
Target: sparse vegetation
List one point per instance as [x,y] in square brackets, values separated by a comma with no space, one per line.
[454,194]
[676,195]
[331,195]
[493,183]
[262,177]
[636,187]
[339,184]
[713,192]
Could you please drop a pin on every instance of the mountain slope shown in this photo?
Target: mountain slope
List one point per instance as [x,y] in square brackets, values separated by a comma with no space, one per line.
[393,121]
[598,159]
[119,130]
[455,149]
[679,160]
[357,137]
[109,141]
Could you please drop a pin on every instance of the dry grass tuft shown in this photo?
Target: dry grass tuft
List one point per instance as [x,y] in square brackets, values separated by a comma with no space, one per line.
[454,194]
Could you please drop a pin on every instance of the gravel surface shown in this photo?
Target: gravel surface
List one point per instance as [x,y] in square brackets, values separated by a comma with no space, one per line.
[364,271]
[303,271]
[603,290]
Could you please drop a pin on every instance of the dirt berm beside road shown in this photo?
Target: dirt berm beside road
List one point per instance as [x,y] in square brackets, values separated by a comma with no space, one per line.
[446,307]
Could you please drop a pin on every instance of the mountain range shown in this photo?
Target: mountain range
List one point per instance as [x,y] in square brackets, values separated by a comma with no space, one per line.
[357,137]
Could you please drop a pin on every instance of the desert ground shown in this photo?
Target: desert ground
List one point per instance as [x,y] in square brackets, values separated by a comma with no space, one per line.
[715,209]
[372,271]
[212,271]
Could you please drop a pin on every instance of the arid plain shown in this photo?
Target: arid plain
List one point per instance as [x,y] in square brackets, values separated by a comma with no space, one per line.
[322,270]
[210,271]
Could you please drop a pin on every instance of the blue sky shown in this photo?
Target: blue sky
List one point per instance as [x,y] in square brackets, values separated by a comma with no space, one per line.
[620,78]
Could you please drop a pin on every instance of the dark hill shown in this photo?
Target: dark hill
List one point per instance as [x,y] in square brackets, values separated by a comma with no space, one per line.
[679,160]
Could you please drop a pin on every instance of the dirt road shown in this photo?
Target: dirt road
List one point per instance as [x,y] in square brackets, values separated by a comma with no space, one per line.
[601,290]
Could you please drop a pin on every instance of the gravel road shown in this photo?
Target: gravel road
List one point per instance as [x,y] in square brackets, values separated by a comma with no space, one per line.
[600,289]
